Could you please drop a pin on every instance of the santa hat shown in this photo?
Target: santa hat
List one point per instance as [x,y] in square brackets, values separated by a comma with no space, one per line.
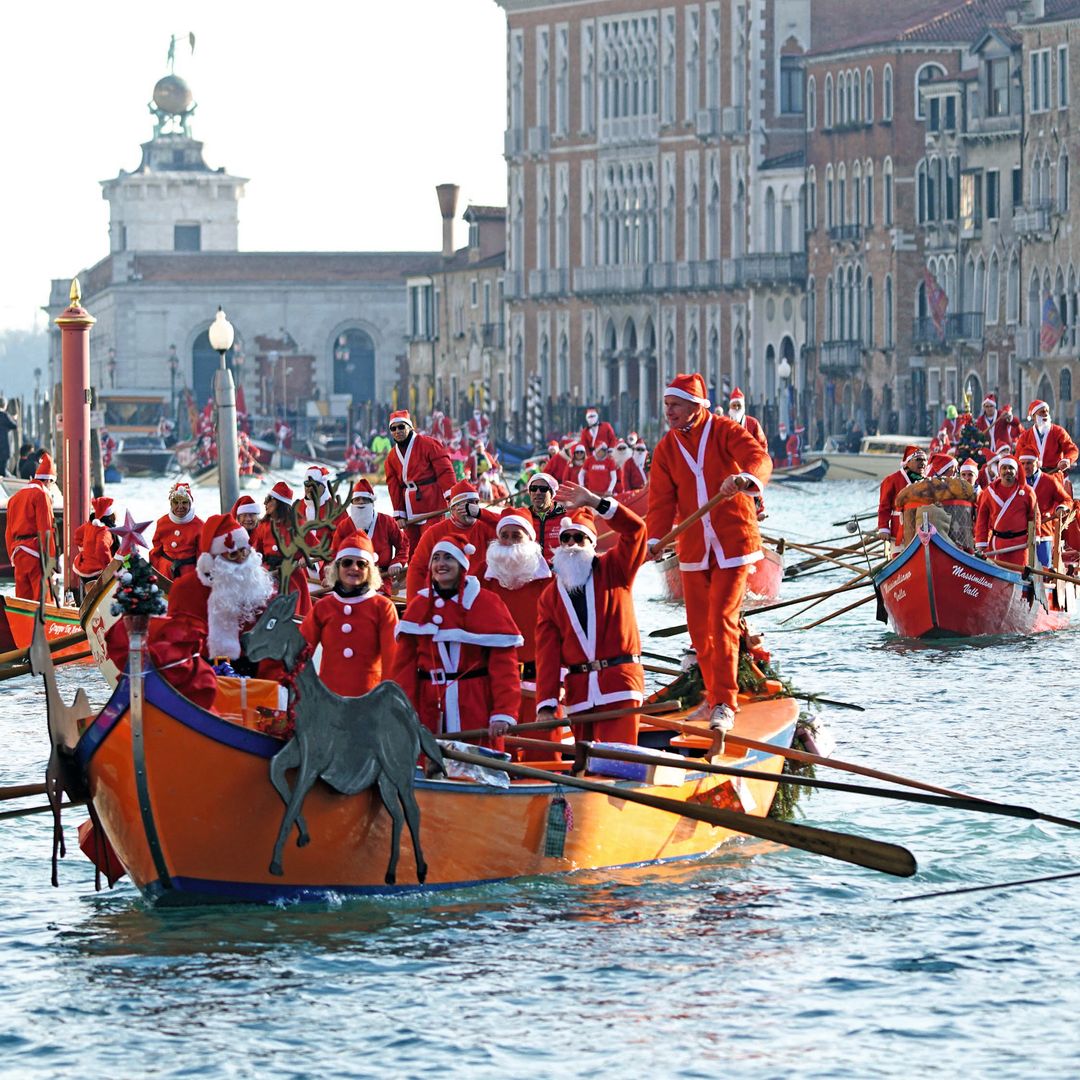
[244,505]
[220,533]
[1008,459]
[457,547]
[45,468]
[580,448]
[401,416]
[1028,457]
[689,387]
[622,444]
[990,399]
[101,506]
[547,479]
[1035,406]
[181,487]
[1006,408]
[283,493]
[939,463]
[463,491]
[600,446]
[971,465]
[513,516]
[356,546]
[583,520]
[737,398]
[362,489]
[318,473]
[632,438]
[553,447]
[640,448]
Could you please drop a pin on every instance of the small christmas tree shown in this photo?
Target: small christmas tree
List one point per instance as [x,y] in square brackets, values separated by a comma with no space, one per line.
[973,443]
[136,593]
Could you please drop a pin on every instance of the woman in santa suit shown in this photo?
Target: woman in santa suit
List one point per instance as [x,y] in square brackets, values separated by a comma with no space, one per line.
[176,536]
[95,542]
[278,506]
[354,623]
[457,649]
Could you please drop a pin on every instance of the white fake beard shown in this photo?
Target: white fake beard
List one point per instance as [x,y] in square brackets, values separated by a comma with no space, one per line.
[736,415]
[639,459]
[363,516]
[513,565]
[1042,426]
[621,456]
[238,593]
[573,565]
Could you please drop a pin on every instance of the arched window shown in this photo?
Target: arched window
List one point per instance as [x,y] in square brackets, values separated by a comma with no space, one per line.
[354,365]
[887,314]
[856,194]
[830,198]
[978,296]
[868,182]
[811,103]
[1012,290]
[828,121]
[811,312]
[887,193]
[922,193]
[1065,385]
[811,198]
[1063,183]
[924,75]
[829,309]
[868,96]
[869,309]
[856,103]
[841,194]
[886,93]
[205,361]
[841,99]
[770,220]
[993,287]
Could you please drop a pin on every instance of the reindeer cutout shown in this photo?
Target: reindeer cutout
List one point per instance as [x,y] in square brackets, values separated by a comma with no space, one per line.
[352,743]
[62,775]
[299,549]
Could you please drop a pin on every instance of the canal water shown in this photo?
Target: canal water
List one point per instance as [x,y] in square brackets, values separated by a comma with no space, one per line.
[759,961]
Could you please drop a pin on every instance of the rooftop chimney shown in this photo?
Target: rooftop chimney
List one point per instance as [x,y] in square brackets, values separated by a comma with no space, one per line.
[448,195]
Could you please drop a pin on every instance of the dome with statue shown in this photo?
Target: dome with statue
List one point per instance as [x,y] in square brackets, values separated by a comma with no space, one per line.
[172,95]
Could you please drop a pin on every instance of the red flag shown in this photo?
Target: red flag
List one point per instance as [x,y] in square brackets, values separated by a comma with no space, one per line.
[936,300]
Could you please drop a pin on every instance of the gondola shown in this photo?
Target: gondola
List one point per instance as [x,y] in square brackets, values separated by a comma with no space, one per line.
[809,472]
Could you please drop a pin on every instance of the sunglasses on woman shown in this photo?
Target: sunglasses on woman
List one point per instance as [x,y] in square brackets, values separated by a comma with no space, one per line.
[348,564]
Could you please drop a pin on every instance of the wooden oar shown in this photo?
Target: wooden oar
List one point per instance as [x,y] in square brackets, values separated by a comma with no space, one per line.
[37,810]
[15,670]
[656,669]
[20,791]
[866,516]
[969,803]
[16,656]
[873,854]
[1053,575]
[804,756]
[836,614]
[685,524]
[445,510]
[987,888]
[814,603]
[649,709]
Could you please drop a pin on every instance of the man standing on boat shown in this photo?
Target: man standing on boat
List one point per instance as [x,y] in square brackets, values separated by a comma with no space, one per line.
[633,472]
[586,624]
[175,546]
[1048,442]
[890,521]
[737,412]
[466,518]
[596,431]
[390,543]
[1002,428]
[558,462]
[419,473]
[29,517]
[457,649]
[546,513]
[1006,509]
[1054,503]
[701,456]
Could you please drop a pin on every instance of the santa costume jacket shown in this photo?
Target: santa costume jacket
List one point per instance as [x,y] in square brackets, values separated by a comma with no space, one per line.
[1003,431]
[687,470]
[1002,517]
[480,534]
[176,545]
[602,433]
[95,549]
[888,516]
[389,540]
[1050,449]
[30,513]
[1050,493]
[632,476]
[262,541]
[419,476]
[357,638]
[457,658]
[610,631]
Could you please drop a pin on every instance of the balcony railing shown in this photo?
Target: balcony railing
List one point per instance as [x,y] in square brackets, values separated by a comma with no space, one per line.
[716,123]
[492,335]
[993,125]
[513,142]
[960,326]
[840,234]
[606,280]
[513,285]
[549,282]
[769,268]
[629,129]
[1033,217]
[840,357]
[658,277]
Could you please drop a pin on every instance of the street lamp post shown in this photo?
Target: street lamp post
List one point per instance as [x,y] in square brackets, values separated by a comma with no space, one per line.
[174,366]
[221,339]
[783,370]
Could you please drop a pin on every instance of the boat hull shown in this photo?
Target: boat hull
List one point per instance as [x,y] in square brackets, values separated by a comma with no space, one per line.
[811,472]
[933,589]
[638,501]
[762,586]
[210,840]
[17,623]
[145,462]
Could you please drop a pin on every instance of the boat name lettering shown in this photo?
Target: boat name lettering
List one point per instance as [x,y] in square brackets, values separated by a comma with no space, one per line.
[899,581]
[975,579]
[970,590]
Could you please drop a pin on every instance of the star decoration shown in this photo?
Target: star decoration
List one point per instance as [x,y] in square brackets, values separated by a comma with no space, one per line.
[131,534]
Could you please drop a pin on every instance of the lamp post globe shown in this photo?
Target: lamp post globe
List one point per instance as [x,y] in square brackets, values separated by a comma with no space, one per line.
[221,336]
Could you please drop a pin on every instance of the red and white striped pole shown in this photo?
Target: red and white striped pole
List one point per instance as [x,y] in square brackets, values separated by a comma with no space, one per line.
[75,322]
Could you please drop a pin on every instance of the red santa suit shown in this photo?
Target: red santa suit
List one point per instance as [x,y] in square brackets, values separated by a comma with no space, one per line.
[188,598]
[1050,494]
[600,655]
[480,533]
[1050,450]
[357,638]
[1002,518]
[175,546]
[1003,430]
[95,550]
[633,476]
[715,553]
[478,427]
[600,477]
[390,542]
[457,657]
[888,517]
[30,515]
[600,432]
[419,476]
[557,466]
[262,541]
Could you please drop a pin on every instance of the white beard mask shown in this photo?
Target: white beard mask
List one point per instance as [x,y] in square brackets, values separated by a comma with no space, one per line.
[736,414]
[621,456]
[573,565]
[238,593]
[515,565]
[1042,426]
[362,516]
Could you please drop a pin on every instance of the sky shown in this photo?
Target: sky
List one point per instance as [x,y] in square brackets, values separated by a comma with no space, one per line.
[344,116]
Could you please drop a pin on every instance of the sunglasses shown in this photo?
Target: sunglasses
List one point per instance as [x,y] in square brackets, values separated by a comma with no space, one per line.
[348,564]
[399,427]
[572,539]
[538,488]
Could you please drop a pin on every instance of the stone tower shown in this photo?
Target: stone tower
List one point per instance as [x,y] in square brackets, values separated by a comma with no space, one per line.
[173,201]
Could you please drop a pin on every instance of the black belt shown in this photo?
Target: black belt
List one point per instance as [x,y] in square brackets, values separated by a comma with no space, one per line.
[412,485]
[599,665]
[273,562]
[440,677]
[27,536]
[1015,535]
[179,564]
[527,670]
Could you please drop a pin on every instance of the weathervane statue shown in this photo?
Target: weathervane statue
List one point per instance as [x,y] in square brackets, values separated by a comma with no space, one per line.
[171,58]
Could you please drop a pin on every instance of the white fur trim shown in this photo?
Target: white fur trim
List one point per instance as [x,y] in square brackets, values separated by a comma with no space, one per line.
[502,718]
[753,480]
[520,521]
[465,496]
[189,516]
[355,553]
[568,524]
[470,592]
[239,540]
[610,513]
[546,478]
[280,499]
[456,553]
[674,391]
[204,566]
[248,507]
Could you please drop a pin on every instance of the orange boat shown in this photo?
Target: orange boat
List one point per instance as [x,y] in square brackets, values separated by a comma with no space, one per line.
[17,627]
[184,797]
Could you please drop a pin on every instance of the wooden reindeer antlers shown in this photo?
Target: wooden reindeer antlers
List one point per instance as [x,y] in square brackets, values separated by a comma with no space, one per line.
[300,548]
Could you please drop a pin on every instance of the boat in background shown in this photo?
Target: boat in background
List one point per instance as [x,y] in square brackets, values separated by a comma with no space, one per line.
[762,587]
[809,472]
[144,455]
[935,589]
[17,618]
[637,500]
[878,456]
